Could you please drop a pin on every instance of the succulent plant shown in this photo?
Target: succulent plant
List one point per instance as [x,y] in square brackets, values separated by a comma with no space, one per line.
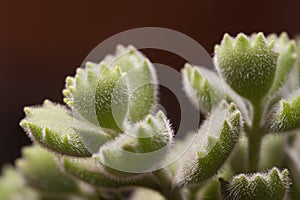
[111,141]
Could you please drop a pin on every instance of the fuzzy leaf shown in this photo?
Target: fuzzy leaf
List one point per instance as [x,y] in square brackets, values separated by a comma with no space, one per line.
[248,65]
[203,87]
[270,186]
[112,96]
[287,57]
[41,173]
[206,90]
[287,115]
[80,91]
[99,82]
[52,126]
[91,171]
[12,186]
[141,77]
[140,149]
[212,145]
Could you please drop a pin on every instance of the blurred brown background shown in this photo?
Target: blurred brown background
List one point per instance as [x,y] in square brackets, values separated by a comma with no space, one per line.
[43,41]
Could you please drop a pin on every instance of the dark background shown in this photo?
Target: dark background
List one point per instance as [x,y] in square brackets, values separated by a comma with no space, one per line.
[41,42]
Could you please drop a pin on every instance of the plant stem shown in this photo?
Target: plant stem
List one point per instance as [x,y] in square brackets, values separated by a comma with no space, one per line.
[254,138]
[164,178]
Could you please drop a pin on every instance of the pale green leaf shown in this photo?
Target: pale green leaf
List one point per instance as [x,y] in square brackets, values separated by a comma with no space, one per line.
[12,186]
[111,101]
[139,149]
[41,173]
[54,127]
[91,171]
[141,77]
[98,87]
[80,91]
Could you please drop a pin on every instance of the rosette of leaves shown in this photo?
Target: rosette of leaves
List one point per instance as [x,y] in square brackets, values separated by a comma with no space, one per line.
[261,71]
[110,114]
[109,142]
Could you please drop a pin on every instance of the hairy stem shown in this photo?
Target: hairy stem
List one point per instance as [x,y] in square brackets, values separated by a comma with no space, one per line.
[164,177]
[254,138]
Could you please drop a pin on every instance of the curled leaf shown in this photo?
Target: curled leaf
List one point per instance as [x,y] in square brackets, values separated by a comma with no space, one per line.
[53,127]
[139,150]
[203,87]
[211,146]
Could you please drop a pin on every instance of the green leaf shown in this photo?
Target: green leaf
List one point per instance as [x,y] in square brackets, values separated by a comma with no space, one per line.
[286,116]
[125,81]
[80,91]
[287,57]
[112,99]
[206,90]
[91,171]
[52,126]
[248,65]
[88,170]
[211,146]
[203,87]
[268,186]
[41,173]
[12,185]
[139,150]
[141,77]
